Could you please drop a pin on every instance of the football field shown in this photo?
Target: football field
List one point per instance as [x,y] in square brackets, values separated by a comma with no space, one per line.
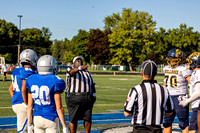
[111,94]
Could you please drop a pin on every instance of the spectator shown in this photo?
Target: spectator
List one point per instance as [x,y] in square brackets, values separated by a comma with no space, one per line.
[5,72]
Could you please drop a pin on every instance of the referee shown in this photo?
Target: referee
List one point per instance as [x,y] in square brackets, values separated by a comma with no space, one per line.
[148,102]
[80,95]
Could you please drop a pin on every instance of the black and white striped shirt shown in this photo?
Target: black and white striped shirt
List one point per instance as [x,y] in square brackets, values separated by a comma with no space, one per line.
[80,82]
[148,102]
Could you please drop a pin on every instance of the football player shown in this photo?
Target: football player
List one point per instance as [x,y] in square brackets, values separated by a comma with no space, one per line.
[194,64]
[44,96]
[28,60]
[176,81]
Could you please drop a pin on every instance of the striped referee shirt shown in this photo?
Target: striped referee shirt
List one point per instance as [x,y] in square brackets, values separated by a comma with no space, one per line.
[80,82]
[148,102]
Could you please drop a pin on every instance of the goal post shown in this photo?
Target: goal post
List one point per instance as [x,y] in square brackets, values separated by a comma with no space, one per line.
[2,61]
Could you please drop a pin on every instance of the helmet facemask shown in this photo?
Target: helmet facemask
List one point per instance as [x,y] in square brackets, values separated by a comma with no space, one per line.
[175,64]
[193,61]
[174,57]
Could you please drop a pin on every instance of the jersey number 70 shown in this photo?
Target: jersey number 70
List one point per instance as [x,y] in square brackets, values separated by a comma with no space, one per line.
[172,79]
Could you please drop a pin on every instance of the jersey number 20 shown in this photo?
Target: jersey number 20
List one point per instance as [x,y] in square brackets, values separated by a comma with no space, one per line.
[41,95]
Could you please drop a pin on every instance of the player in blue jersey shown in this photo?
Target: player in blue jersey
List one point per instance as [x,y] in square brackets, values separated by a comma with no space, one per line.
[28,60]
[44,97]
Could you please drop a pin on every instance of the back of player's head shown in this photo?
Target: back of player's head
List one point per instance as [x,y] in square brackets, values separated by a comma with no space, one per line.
[47,64]
[28,56]
[194,60]
[149,68]
[174,55]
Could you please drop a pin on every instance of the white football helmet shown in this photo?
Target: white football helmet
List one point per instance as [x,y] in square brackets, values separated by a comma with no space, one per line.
[47,64]
[28,56]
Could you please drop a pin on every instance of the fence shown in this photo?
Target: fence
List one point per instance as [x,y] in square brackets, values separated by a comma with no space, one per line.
[105,68]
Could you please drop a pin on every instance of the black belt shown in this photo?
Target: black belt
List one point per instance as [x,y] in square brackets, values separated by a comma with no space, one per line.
[158,126]
[80,94]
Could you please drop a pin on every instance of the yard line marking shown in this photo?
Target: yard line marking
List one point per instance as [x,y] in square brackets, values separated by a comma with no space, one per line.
[100,105]
[4,91]
[121,79]
[108,105]
[9,125]
[5,107]
[113,119]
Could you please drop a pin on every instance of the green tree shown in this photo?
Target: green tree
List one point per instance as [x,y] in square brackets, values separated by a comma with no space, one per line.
[98,47]
[131,40]
[9,36]
[59,49]
[68,56]
[162,46]
[79,43]
[184,38]
[36,39]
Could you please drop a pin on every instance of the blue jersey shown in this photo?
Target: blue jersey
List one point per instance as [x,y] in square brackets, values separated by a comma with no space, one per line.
[43,88]
[19,74]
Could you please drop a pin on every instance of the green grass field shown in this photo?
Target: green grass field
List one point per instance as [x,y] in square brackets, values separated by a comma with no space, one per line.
[111,92]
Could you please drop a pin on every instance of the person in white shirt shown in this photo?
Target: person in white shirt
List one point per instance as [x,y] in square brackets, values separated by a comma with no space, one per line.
[176,81]
[194,64]
[5,71]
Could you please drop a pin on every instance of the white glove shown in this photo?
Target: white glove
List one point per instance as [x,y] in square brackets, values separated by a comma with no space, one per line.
[29,128]
[184,102]
[182,97]
[65,130]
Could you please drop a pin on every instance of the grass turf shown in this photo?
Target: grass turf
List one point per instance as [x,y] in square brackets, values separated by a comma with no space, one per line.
[111,92]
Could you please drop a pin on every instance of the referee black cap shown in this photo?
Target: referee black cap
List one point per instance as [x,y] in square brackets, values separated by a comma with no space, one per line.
[149,68]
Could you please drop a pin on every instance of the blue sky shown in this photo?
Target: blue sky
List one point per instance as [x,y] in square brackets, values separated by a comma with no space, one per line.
[65,17]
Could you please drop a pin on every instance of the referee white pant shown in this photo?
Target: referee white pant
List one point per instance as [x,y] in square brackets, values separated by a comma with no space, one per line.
[21,113]
[42,125]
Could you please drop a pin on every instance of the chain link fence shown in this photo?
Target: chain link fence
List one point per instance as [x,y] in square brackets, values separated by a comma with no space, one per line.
[110,68]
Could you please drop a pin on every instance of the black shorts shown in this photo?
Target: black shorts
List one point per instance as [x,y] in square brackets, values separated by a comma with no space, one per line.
[146,129]
[5,73]
[79,107]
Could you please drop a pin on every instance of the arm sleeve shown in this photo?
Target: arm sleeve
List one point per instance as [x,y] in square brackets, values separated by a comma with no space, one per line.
[129,104]
[68,70]
[196,93]
[186,73]
[59,85]
[25,73]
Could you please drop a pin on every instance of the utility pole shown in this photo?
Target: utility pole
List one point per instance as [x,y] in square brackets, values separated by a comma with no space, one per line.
[20,16]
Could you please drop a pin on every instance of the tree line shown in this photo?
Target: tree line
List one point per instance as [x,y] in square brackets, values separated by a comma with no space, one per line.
[128,38]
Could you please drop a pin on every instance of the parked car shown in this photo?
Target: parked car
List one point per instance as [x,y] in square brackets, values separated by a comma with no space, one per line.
[10,67]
